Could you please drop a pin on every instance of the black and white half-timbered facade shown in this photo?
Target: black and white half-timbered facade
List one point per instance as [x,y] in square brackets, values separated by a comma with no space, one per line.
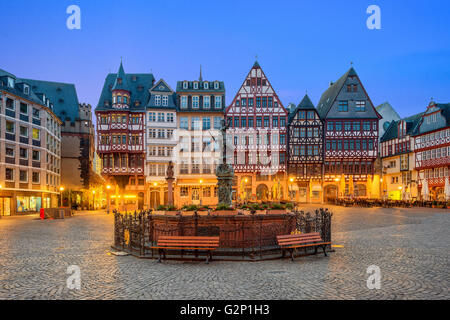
[305,153]
[257,133]
[351,138]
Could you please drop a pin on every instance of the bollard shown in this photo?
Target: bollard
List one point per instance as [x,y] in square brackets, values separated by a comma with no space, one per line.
[42,213]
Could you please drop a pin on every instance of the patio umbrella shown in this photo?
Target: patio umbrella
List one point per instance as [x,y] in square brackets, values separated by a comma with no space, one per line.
[425,191]
[447,188]
[369,186]
[351,187]
[342,185]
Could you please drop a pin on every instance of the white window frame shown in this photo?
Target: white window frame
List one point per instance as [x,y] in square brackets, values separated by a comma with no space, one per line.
[184,102]
[216,85]
[195,102]
[206,85]
[185,85]
[195,85]
[165,100]
[157,100]
[206,98]
[218,102]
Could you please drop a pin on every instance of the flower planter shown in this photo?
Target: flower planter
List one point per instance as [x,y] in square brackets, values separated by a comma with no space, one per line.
[225,212]
[171,213]
[276,211]
[187,213]
[261,211]
[161,212]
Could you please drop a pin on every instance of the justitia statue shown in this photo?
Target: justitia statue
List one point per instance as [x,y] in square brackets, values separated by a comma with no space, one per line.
[224,171]
[170,179]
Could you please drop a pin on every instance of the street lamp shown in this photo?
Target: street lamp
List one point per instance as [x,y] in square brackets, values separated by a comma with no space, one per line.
[93,199]
[108,187]
[61,189]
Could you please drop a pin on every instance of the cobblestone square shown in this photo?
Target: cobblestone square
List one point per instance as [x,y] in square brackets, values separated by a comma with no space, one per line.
[411,247]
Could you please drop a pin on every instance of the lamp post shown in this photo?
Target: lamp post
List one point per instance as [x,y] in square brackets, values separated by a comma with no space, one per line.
[108,187]
[61,189]
[200,196]
[93,199]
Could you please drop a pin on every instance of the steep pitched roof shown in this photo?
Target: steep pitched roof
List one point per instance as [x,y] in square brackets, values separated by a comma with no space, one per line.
[412,123]
[445,107]
[138,84]
[162,87]
[120,75]
[63,96]
[328,97]
[305,104]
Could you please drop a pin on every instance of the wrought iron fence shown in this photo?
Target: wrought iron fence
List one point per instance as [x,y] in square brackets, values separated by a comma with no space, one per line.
[246,236]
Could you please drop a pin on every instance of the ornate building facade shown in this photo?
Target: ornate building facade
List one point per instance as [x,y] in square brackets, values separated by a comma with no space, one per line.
[257,135]
[305,153]
[30,144]
[432,149]
[121,135]
[398,160]
[200,108]
[161,125]
[350,139]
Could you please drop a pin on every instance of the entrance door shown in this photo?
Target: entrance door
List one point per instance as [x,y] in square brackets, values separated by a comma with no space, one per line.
[195,195]
[154,199]
[330,193]
[140,200]
[302,192]
[5,206]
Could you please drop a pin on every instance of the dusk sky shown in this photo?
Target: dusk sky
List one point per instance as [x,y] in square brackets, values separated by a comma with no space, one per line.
[301,45]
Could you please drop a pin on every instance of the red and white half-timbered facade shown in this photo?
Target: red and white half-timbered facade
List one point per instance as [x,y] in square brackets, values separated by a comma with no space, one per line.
[257,136]
[121,135]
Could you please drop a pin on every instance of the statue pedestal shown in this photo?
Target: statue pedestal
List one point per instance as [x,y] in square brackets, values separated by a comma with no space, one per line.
[225,174]
[170,191]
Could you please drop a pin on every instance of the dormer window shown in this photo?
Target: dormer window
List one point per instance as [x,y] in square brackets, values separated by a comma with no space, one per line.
[185,85]
[133,78]
[195,85]
[119,80]
[137,103]
[206,85]
[26,89]
[10,82]
[107,102]
[158,100]
[165,101]
[216,85]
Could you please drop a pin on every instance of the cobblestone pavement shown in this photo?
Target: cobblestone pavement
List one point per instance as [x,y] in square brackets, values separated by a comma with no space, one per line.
[411,247]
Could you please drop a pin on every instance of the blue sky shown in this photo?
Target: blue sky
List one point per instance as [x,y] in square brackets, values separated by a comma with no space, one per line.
[301,45]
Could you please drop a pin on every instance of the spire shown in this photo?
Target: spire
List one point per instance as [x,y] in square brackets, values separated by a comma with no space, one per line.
[121,80]
[200,78]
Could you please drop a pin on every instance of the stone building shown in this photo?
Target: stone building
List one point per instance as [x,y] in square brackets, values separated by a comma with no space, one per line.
[30,144]
[200,107]
[77,144]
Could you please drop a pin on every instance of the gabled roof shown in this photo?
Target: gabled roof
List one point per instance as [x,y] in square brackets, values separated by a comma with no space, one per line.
[328,97]
[159,88]
[138,84]
[445,107]
[120,75]
[63,96]
[305,104]
[412,123]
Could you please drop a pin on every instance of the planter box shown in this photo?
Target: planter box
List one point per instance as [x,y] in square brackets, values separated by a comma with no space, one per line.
[159,212]
[187,213]
[276,211]
[261,211]
[225,213]
[171,213]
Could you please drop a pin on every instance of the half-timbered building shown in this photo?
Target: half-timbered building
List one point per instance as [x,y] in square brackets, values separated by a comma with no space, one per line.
[257,133]
[398,159]
[351,137]
[305,153]
[432,149]
[120,136]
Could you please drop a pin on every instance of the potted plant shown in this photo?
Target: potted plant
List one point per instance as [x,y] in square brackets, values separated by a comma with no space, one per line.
[203,210]
[276,208]
[245,209]
[224,210]
[189,210]
[160,210]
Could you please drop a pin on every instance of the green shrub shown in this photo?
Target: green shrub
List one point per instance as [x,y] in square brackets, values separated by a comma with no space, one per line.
[277,206]
[223,206]
[161,208]
[289,206]
[191,207]
[171,208]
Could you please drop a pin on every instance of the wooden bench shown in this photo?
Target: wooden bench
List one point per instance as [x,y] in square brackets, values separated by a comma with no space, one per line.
[182,243]
[304,240]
